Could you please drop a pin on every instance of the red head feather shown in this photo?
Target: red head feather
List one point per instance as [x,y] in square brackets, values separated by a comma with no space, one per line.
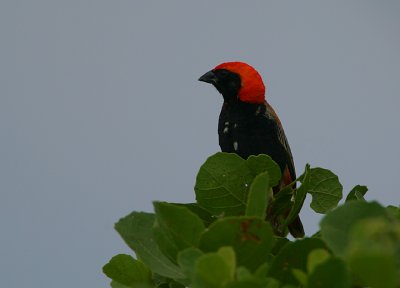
[253,88]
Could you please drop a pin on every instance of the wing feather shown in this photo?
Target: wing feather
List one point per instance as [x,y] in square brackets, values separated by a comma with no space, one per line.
[271,114]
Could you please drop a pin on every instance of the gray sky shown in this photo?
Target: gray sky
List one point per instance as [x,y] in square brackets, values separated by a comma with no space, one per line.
[101,112]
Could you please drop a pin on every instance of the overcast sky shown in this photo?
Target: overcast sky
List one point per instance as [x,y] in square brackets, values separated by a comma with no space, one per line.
[101,112]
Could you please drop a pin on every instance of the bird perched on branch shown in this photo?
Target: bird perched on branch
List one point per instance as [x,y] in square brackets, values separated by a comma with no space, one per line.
[247,123]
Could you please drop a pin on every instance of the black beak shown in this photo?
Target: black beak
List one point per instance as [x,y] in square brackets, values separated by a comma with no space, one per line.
[209,77]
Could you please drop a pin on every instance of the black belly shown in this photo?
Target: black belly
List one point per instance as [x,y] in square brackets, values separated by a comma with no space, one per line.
[248,135]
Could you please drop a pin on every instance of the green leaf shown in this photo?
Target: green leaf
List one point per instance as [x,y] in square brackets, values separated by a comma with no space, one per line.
[203,214]
[165,243]
[262,270]
[222,184]
[357,193]
[264,163]
[250,237]
[242,273]
[393,211]
[228,254]
[176,228]
[245,279]
[174,284]
[336,225]
[316,234]
[254,282]
[301,276]
[315,258]
[223,181]
[212,271]
[115,284]
[325,188]
[330,274]
[300,196]
[281,203]
[126,270]
[373,252]
[161,281]
[376,270]
[136,230]
[293,256]
[279,244]
[191,260]
[258,196]
[187,260]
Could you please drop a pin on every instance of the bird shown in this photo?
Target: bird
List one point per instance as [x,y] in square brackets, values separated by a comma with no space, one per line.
[248,125]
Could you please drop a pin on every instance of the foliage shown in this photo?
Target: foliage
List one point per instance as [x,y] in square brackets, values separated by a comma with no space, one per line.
[225,241]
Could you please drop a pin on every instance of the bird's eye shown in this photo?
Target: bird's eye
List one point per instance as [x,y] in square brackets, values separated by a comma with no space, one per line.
[223,74]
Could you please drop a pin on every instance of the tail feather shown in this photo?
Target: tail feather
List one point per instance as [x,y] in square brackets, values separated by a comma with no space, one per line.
[296,228]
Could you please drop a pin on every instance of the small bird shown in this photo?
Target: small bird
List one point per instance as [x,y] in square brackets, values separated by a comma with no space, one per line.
[248,125]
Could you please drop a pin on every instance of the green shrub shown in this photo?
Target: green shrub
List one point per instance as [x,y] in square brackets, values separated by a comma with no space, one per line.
[224,241]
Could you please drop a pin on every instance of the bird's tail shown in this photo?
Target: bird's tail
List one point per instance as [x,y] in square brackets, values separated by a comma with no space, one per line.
[296,228]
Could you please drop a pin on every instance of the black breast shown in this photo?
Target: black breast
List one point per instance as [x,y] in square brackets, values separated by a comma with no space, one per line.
[245,129]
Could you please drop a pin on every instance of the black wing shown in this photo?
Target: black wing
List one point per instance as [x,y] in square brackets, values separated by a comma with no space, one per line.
[270,113]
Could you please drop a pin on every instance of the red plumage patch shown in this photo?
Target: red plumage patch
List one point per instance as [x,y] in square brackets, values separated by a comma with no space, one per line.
[253,88]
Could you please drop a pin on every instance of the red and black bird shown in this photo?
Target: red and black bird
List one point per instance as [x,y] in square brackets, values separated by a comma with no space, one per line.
[247,123]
